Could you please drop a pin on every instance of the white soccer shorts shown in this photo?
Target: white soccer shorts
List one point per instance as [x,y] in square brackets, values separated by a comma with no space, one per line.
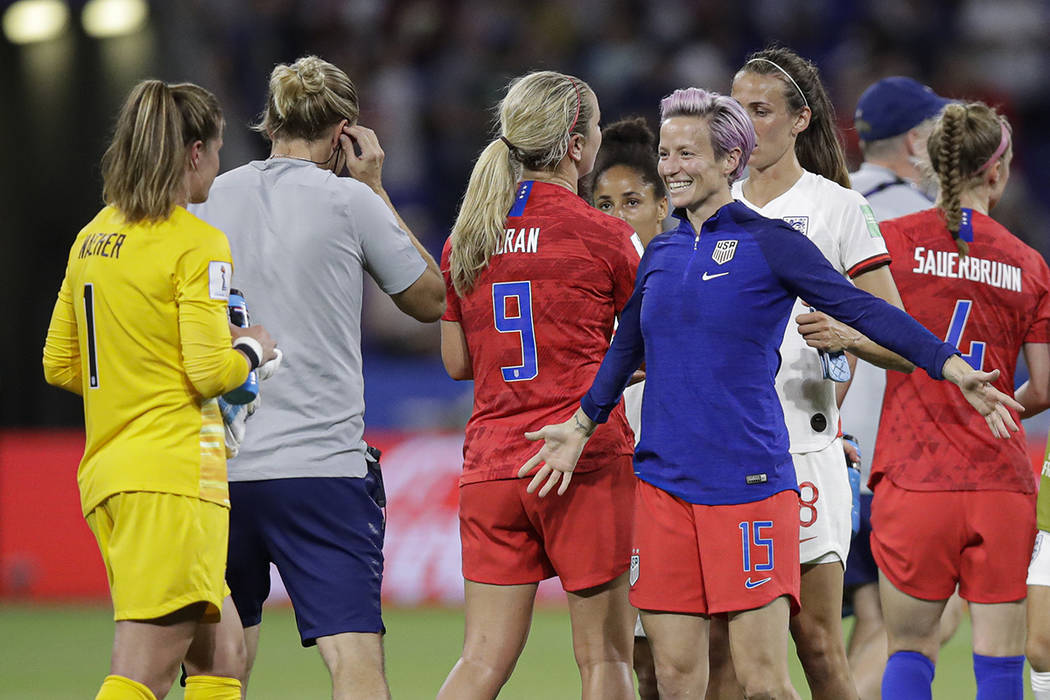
[825,505]
[1039,569]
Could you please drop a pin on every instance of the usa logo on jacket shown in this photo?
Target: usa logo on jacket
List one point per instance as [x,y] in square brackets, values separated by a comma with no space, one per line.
[724,251]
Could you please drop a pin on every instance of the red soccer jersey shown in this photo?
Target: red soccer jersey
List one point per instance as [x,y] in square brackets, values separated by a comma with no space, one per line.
[987,305]
[538,322]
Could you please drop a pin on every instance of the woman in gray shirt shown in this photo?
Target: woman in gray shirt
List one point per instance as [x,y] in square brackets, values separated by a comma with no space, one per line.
[302,493]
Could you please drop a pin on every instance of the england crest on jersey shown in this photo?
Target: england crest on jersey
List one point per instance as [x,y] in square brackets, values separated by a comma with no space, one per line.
[799,223]
[724,251]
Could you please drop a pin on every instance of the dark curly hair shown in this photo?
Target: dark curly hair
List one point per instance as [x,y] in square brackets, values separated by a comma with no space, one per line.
[629,142]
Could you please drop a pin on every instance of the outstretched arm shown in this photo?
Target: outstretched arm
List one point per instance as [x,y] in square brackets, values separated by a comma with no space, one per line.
[804,270]
[822,332]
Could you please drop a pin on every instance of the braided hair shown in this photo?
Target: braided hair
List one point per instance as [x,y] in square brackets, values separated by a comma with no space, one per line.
[963,140]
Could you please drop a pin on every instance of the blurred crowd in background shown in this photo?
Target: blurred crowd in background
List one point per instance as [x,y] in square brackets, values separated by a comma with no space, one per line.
[428,73]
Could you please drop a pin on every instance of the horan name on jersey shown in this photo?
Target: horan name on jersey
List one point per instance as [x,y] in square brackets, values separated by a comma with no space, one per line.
[519,240]
[943,263]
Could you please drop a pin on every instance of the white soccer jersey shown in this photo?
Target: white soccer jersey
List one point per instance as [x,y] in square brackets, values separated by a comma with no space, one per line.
[632,395]
[840,223]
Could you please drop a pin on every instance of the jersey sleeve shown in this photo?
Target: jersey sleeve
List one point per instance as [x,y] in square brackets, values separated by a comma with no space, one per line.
[623,265]
[1039,331]
[624,356]
[388,252]
[805,272]
[861,244]
[211,363]
[452,309]
[62,347]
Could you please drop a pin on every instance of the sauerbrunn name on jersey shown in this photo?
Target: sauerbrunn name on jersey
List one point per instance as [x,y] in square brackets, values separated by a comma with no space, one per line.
[942,263]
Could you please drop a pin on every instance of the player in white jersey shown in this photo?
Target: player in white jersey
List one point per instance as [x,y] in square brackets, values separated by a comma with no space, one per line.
[798,173]
[625,183]
[893,119]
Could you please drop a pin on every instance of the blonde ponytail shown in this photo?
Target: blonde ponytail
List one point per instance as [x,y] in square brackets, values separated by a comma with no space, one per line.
[143,169]
[536,118]
[960,145]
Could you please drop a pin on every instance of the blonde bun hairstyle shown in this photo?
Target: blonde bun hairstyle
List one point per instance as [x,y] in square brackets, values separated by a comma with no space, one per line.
[306,99]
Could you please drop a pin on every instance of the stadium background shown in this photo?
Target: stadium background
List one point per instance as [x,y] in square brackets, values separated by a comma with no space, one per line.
[427,72]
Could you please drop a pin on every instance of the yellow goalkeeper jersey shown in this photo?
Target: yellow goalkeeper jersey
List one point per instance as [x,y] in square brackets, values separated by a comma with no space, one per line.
[140,331]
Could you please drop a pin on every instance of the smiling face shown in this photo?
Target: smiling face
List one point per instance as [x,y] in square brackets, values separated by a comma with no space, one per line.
[775,126]
[688,164]
[622,192]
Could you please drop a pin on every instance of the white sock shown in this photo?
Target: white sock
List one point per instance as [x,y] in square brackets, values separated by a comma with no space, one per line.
[1041,685]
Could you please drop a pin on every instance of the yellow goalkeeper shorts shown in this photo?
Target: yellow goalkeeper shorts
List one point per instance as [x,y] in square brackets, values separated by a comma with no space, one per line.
[162,552]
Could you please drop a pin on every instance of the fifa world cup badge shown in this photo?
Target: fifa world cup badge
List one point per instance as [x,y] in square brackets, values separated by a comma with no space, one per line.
[633,577]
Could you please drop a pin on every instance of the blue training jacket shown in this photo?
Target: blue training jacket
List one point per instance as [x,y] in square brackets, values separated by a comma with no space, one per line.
[707,316]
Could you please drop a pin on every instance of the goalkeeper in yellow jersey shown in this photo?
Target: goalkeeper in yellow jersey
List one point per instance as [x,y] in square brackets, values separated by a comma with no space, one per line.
[140,330]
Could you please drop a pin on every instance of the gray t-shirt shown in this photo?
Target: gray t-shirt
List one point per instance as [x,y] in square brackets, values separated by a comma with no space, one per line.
[889,195]
[301,239]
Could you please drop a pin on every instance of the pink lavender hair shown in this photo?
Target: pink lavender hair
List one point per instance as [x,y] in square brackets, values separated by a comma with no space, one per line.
[729,124]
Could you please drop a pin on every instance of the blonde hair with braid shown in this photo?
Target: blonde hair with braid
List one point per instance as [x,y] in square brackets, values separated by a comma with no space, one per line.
[536,120]
[963,139]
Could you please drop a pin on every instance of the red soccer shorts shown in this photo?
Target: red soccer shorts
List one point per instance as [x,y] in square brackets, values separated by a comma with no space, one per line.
[512,537]
[927,541]
[707,560]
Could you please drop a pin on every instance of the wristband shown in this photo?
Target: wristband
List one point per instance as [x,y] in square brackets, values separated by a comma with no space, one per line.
[251,348]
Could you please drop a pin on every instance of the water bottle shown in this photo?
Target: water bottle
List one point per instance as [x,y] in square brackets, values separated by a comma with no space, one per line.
[246,392]
[853,471]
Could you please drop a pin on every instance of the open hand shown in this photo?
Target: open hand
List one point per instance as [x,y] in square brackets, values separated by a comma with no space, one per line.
[562,445]
[977,387]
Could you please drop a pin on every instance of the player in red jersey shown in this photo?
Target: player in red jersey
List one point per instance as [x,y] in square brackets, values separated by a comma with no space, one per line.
[942,485]
[535,279]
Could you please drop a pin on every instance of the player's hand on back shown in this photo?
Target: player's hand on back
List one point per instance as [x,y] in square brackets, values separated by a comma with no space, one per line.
[562,445]
[977,387]
[368,166]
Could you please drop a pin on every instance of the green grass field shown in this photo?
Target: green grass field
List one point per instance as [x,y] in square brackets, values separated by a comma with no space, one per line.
[62,653]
